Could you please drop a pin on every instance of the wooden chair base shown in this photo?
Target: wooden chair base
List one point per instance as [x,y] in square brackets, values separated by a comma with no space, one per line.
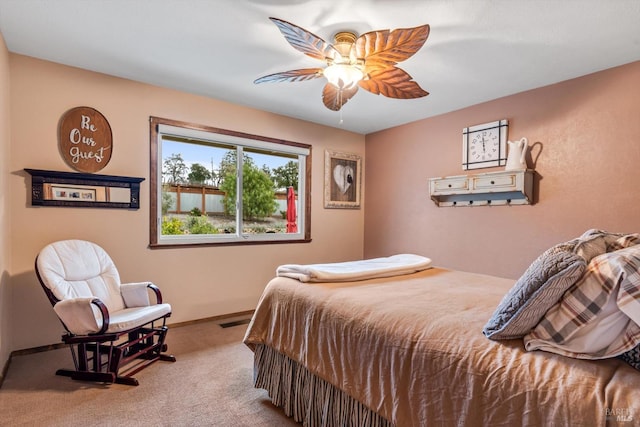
[115,358]
[110,377]
[103,377]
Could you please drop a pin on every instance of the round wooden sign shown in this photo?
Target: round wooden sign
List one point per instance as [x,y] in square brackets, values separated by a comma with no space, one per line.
[84,139]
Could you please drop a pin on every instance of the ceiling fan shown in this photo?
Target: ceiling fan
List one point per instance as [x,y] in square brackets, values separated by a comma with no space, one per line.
[368,61]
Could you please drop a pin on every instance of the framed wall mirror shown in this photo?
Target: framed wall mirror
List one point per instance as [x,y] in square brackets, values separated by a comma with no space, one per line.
[53,188]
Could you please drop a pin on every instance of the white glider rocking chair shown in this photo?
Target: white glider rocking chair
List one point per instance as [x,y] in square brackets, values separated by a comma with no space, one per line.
[111,326]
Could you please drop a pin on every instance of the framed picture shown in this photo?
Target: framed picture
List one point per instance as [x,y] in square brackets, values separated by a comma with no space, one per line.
[342,177]
[78,194]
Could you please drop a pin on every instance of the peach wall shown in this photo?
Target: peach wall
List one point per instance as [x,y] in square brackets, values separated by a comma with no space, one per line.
[198,282]
[5,230]
[586,149]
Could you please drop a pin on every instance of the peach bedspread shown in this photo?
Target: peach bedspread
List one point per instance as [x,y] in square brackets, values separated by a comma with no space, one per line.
[411,349]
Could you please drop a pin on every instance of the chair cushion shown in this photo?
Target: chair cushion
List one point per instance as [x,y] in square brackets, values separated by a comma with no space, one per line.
[77,268]
[129,318]
[135,294]
[79,315]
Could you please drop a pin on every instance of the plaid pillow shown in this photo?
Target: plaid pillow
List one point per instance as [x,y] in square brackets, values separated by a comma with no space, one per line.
[599,316]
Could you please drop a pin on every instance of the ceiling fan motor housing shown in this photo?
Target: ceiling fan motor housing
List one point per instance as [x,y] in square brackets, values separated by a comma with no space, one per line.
[343,42]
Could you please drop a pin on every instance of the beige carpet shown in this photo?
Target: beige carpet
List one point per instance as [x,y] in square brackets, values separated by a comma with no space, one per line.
[210,385]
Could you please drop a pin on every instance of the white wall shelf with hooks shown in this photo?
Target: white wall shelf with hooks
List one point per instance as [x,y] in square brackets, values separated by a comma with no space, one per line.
[514,187]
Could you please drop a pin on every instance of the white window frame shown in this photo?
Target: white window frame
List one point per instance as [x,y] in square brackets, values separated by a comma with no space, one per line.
[171,128]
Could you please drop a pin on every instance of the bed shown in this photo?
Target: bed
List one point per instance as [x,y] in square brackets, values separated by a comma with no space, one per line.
[409,350]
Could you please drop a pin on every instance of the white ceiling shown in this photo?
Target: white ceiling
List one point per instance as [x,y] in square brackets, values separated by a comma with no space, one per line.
[478,50]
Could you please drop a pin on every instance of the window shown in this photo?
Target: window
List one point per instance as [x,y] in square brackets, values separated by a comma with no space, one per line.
[213,186]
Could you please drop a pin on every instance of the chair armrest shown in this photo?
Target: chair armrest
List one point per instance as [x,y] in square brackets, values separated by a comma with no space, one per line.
[136,295]
[156,291]
[82,316]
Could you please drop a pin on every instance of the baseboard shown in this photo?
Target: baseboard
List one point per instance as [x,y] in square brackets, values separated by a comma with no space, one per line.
[212,319]
[5,369]
[39,349]
[23,352]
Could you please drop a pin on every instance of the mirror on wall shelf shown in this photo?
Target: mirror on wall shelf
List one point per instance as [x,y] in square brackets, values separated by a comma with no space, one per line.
[54,188]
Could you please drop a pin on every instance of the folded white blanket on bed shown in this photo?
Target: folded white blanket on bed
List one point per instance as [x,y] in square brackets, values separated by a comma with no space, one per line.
[355,270]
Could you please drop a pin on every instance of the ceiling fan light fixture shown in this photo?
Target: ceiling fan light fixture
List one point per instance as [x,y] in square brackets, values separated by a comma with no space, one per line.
[352,62]
[343,76]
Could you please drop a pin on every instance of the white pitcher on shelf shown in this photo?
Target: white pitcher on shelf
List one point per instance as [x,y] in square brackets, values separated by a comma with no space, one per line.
[517,157]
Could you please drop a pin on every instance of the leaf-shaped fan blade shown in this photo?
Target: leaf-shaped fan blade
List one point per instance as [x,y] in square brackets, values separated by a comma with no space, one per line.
[304,41]
[385,48]
[291,76]
[335,98]
[392,82]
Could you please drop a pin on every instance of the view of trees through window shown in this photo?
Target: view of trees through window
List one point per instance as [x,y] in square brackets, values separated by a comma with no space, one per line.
[218,188]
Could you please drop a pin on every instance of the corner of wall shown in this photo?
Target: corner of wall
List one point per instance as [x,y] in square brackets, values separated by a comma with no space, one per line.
[5,229]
